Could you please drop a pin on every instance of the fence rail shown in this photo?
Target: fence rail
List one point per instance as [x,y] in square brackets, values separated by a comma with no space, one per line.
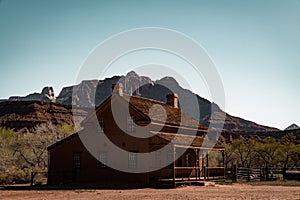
[262,174]
[38,178]
[250,174]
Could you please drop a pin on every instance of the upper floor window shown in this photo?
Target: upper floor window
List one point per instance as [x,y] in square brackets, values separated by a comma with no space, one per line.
[170,156]
[132,160]
[100,128]
[130,124]
[158,158]
[77,160]
[103,159]
[88,125]
[188,160]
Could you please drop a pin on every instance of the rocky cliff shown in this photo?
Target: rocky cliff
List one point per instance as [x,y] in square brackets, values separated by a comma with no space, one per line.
[23,116]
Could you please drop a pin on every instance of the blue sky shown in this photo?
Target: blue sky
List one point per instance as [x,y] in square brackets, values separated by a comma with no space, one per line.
[254,44]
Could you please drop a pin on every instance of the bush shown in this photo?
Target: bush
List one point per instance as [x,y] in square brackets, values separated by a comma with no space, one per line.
[15,176]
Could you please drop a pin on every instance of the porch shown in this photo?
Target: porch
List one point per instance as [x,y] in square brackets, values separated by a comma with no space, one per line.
[194,167]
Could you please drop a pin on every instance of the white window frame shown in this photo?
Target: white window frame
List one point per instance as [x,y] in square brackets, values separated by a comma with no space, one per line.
[132,160]
[130,124]
[100,127]
[158,158]
[103,159]
[170,156]
[188,160]
[77,160]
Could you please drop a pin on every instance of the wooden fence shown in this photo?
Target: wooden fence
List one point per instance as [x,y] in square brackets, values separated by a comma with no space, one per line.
[262,174]
[250,174]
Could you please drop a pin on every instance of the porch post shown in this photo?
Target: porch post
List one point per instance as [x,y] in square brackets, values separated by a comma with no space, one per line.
[223,156]
[174,165]
[198,163]
[206,168]
[201,164]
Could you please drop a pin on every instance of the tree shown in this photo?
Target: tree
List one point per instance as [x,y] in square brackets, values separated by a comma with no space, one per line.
[229,155]
[244,150]
[268,151]
[32,148]
[7,139]
[286,149]
[295,156]
[22,153]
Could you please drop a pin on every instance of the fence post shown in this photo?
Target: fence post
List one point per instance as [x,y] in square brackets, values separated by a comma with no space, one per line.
[284,172]
[248,174]
[267,173]
[260,174]
[32,177]
[234,173]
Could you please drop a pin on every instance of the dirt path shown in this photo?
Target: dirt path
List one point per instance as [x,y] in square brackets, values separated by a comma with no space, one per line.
[236,191]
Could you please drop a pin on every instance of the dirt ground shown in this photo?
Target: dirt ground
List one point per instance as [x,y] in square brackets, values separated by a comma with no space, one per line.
[236,191]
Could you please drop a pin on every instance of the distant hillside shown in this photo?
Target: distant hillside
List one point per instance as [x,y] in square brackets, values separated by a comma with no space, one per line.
[23,116]
[274,134]
[236,124]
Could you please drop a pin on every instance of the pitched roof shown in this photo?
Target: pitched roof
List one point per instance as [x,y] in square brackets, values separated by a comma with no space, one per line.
[172,116]
[52,146]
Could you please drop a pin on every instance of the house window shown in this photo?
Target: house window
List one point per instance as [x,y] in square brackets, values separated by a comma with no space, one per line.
[130,124]
[132,160]
[188,160]
[103,159]
[170,156]
[77,160]
[100,128]
[157,158]
[88,125]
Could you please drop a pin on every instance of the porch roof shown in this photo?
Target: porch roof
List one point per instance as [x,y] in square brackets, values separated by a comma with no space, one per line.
[186,141]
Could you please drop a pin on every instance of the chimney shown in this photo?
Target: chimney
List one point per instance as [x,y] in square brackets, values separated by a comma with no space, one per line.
[117,89]
[172,100]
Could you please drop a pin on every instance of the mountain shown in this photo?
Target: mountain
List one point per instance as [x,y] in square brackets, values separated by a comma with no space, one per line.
[133,84]
[91,93]
[157,90]
[94,92]
[237,124]
[292,127]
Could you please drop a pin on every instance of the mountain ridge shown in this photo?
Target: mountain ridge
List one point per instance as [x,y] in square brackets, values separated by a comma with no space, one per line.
[292,127]
[93,92]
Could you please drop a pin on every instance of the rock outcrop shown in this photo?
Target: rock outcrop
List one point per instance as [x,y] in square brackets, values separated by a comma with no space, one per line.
[47,95]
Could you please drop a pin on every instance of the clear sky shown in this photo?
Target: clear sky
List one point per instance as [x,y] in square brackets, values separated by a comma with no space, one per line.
[254,44]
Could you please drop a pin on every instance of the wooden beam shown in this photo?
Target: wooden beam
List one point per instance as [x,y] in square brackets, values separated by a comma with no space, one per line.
[203,148]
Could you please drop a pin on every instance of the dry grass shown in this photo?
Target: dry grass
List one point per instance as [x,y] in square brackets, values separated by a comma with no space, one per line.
[235,191]
[275,183]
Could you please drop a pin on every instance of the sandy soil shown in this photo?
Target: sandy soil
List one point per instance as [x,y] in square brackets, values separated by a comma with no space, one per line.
[236,191]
